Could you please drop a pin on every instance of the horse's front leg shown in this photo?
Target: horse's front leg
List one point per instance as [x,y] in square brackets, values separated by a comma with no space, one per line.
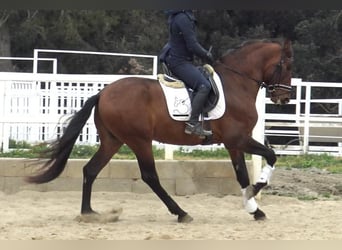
[239,164]
[254,147]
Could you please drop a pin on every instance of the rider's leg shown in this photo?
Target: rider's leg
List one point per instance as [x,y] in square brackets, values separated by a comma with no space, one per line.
[195,80]
[194,126]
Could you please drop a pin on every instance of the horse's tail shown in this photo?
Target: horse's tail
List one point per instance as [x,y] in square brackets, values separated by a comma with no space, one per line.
[60,149]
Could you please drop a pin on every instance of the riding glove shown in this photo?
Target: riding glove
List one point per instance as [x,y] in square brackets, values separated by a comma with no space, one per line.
[209,57]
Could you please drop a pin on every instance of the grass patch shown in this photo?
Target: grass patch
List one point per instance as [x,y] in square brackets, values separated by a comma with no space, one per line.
[307,198]
[197,154]
[322,161]
[327,162]
[24,150]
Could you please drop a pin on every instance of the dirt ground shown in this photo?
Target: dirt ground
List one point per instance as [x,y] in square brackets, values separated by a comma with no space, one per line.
[298,204]
[311,183]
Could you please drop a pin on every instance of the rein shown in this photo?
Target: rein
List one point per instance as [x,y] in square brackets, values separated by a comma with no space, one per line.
[260,83]
[270,87]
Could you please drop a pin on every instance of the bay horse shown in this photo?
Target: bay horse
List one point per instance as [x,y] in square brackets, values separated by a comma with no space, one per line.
[133,111]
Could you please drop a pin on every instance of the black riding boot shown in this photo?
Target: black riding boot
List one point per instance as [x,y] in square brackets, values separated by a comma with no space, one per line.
[194,126]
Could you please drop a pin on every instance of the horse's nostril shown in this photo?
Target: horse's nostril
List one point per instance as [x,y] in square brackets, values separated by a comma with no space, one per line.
[286,100]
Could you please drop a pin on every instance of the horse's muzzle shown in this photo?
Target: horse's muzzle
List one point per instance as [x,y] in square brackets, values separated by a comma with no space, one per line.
[285,100]
[280,101]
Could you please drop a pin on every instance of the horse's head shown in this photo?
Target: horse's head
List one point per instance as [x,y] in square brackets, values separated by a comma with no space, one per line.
[278,73]
[265,62]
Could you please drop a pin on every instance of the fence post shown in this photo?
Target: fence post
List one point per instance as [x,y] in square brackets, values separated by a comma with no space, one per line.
[340,113]
[307,118]
[259,133]
[298,98]
[169,148]
[2,115]
[155,66]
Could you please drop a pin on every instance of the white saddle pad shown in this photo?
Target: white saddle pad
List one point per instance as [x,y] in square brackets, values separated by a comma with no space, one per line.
[179,105]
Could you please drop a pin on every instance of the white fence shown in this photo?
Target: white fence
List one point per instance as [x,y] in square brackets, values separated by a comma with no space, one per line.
[305,130]
[35,105]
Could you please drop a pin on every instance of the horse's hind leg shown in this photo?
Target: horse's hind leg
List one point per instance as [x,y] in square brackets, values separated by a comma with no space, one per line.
[144,154]
[109,146]
[239,164]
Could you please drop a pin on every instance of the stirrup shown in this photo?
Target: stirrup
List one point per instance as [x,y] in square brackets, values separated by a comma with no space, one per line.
[196,129]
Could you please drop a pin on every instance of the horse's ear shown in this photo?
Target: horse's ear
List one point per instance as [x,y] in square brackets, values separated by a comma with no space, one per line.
[288,48]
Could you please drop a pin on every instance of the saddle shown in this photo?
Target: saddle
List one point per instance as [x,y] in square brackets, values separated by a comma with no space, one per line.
[207,70]
[170,81]
[178,98]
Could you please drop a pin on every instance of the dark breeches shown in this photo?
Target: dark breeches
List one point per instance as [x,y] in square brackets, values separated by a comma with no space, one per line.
[191,75]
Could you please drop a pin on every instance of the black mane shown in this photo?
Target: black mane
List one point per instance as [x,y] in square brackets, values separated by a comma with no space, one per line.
[250,42]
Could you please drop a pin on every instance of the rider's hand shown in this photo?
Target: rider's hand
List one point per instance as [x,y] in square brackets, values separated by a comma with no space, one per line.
[209,57]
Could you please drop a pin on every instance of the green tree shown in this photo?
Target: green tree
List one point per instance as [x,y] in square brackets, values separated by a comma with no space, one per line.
[316,36]
[5,45]
[318,48]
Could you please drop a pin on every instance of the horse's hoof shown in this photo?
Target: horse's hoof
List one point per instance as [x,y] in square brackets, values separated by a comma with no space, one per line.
[185,218]
[88,211]
[259,215]
[107,217]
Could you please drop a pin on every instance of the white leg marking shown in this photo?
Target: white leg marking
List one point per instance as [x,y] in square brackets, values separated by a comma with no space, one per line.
[266,174]
[250,204]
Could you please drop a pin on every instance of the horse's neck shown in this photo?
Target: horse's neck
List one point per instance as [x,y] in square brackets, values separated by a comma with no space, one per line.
[238,76]
[249,63]
[249,66]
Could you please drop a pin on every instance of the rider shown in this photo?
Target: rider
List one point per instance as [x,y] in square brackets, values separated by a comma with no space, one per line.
[178,55]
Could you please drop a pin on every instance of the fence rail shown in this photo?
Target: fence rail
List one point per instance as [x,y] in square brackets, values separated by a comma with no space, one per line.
[305,130]
[35,105]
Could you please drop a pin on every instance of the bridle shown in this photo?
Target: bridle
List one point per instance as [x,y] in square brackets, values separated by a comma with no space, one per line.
[275,78]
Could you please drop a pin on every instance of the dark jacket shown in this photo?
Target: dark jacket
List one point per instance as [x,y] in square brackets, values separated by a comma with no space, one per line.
[182,44]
